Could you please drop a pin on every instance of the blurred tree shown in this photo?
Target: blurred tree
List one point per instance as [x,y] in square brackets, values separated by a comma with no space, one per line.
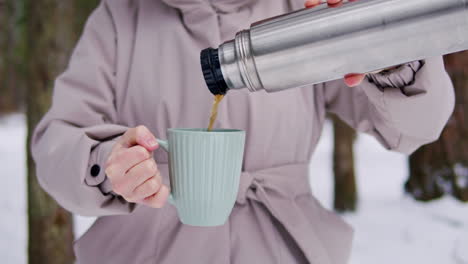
[10,89]
[346,197]
[50,31]
[442,167]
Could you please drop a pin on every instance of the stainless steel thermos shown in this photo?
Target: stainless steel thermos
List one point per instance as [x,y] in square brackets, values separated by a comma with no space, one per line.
[311,46]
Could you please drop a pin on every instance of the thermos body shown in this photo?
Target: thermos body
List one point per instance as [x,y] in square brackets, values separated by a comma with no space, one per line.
[316,45]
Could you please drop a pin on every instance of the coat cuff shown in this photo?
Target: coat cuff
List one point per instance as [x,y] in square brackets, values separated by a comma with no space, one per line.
[400,77]
[96,176]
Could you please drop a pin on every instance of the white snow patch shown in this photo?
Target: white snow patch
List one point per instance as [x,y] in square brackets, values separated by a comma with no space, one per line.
[461,172]
[13,232]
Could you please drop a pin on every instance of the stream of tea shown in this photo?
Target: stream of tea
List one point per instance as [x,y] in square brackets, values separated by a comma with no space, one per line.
[214,110]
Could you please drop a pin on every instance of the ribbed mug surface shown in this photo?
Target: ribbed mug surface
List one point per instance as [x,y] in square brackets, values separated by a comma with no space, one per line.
[205,169]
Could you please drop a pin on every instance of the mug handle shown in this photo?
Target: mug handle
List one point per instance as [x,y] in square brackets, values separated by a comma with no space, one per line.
[165,145]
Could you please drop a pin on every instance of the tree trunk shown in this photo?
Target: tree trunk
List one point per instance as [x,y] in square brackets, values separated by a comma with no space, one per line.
[51,30]
[442,167]
[10,92]
[346,197]
[5,35]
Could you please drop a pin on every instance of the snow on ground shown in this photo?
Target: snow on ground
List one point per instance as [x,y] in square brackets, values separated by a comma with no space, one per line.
[13,190]
[390,228]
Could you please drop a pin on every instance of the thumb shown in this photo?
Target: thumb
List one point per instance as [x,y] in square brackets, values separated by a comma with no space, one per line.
[139,136]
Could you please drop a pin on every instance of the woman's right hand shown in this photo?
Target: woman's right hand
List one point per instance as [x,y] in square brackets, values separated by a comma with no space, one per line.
[132,170]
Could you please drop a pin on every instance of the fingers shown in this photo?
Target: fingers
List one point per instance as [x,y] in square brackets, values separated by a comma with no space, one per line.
[139,136]
[353,80]
[312,3]
[135,177]
[132,171]
[334,3]
[331,3]
[149,188]
[159,199]
[123,160]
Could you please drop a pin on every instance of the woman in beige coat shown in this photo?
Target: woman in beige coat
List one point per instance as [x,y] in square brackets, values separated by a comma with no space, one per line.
[135,72]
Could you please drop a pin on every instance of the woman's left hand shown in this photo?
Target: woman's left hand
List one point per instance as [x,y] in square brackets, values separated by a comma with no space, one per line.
[352,79]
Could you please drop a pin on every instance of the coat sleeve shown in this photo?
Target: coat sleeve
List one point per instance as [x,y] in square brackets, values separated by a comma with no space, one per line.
[73,140]
[403,109]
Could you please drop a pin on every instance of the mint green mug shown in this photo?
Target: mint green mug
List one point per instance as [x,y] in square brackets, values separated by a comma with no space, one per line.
[204,173]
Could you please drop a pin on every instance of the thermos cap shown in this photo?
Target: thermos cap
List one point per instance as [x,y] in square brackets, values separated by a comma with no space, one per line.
[212,73]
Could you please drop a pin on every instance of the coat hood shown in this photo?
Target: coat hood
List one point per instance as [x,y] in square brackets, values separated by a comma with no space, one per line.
[214,21]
